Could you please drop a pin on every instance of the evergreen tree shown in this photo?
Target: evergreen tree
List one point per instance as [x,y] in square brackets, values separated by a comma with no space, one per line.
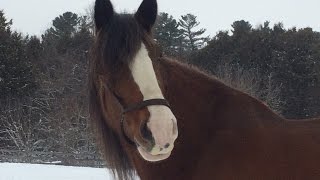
[5,25]
[16,76]
[241,28]
[193,40]
[33,48]
[168,35]
[60,34]
[65,25]
[82,39]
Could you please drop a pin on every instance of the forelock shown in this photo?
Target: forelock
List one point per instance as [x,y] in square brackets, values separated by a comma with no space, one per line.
[120,40]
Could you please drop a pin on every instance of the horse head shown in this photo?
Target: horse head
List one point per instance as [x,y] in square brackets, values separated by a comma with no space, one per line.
[126,64]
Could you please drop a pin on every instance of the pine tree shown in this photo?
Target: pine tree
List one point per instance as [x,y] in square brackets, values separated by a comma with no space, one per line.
[83,37]
[241,28]
[5,25]
[167,34]
[193,38]
[65,25]
[16,76]
[60,35]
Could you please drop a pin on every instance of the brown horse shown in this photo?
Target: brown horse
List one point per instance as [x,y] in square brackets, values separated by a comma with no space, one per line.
[140,101]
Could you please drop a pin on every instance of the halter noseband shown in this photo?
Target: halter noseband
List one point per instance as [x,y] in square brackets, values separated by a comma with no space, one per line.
[137,106]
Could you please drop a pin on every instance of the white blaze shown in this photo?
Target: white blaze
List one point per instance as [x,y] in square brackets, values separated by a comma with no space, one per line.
[162,122]
[144,75]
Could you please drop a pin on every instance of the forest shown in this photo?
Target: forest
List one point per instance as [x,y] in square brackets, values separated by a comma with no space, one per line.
[43,79]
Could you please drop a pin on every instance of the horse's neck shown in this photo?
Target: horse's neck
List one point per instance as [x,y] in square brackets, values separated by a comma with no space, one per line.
[191,93]
[196,94]
[182,80]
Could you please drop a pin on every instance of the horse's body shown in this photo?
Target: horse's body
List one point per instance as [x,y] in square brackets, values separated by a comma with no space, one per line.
[226,134]
[223,133]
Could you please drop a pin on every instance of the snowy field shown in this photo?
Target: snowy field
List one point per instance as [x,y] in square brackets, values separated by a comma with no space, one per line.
[12,171]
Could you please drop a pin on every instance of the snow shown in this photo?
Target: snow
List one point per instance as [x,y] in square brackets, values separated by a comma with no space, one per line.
[13,171]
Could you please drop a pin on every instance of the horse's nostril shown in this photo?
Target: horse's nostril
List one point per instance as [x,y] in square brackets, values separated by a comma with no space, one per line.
[167,145]
[146,133]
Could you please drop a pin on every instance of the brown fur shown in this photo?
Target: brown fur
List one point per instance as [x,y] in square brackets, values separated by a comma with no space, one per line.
[223,133]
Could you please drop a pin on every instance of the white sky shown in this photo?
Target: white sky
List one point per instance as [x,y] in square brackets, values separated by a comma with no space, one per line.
[35,16]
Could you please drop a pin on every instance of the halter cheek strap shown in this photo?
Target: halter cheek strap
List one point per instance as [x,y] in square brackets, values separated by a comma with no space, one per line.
[137,106]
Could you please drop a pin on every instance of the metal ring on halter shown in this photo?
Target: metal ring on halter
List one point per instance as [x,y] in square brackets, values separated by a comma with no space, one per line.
[137,106]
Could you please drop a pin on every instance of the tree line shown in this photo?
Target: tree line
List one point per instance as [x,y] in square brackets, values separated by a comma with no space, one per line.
[43,80]
[285,61]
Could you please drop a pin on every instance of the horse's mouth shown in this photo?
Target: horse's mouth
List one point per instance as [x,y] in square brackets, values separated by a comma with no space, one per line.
[152,152]
[152,158]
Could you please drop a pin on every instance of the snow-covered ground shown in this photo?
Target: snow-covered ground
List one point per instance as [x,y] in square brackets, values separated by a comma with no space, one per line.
[12,171]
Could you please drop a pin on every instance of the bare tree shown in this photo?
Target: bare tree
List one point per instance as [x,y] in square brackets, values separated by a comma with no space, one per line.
[21,128]
[250,83]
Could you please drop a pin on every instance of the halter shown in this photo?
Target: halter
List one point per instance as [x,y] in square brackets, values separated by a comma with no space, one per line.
[137,106]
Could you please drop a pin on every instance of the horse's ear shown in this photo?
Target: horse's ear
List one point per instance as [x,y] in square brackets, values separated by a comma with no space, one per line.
[103,12]
[147,14]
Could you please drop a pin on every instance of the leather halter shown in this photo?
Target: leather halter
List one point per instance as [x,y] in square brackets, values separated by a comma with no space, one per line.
[138,106]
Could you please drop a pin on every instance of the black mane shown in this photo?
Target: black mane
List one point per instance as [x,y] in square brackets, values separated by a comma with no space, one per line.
[119,40]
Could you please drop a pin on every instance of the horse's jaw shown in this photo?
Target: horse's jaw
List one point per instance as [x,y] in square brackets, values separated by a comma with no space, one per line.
[152,158]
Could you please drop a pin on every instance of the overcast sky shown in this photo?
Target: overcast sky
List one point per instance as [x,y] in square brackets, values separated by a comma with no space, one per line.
[34,16]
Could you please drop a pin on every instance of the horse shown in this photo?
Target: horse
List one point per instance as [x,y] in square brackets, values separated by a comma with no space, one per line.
[159,118]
